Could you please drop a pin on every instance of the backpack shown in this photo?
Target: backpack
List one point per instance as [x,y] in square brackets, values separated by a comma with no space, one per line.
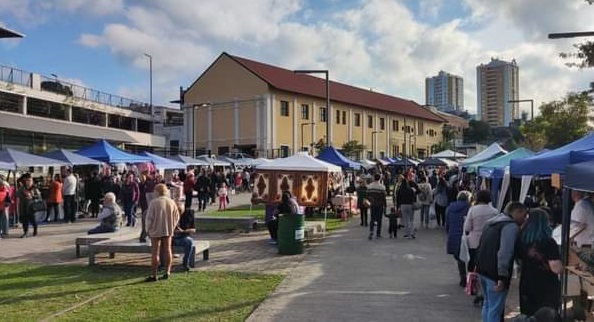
[424,195]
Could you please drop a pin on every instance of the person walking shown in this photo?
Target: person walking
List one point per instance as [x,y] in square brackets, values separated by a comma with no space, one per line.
[441,201]
[161,219]
[541,265]
[405,198]
[494,260]
[222,193]
[129,194]
[455,216]
[202,186]
[93,194]
[189,189]
[54,198]
[376,193]
[27,195]
[69,194]
[425,198]
[363,203]
[5,201]
[478,215]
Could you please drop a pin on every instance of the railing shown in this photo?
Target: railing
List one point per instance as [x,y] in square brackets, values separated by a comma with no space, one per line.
[52,84]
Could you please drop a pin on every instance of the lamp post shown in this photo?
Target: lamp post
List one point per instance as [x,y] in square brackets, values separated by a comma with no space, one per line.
[194,107]
[302,140]
[531,106]
[150,57]
[373,142]
[328,114]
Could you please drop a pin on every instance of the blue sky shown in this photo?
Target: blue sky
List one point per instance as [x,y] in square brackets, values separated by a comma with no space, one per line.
[390,45]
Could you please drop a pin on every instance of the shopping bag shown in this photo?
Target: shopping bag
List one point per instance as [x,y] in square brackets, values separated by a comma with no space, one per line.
[432,214]
[464,254]
[472,283]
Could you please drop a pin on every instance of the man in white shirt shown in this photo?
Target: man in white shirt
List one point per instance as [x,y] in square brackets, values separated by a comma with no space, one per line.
[69,193]
[583,215]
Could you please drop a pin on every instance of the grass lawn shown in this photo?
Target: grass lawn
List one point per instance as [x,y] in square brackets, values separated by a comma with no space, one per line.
[331,223]
[118,293]
[240,211]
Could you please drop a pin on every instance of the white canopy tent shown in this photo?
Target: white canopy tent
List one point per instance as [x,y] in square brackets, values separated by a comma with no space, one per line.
[299,162]
[490,152]
[449,154]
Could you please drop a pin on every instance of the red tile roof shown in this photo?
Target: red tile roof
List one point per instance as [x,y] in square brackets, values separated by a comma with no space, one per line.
[287,80]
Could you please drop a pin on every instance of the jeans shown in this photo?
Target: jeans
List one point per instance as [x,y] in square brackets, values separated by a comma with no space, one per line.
[101,229]
[364,216]
[69,208]
[425,215]
[188,202]
[4,222]
[130,215]
[202,200]
[494,302]
[377,215]
[440,215]
[188,243]
[408,218]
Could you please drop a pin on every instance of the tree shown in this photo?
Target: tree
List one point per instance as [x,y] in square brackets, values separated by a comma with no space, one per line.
[584,54]
[559,122]
[477,132]
[353,149]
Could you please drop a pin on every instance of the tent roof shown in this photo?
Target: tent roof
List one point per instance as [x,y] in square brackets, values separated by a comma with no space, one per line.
[71,158]
[448,154]
[259,161]
[405,162]
[20,159]
[580,176]
[7,165]
[501,161]
[553,161]
[490,152]
[367,164]
[236,162]
[105,152]
[187,160]
[163,163]
[214,162]
[438,162]
[299,162]
[331,155]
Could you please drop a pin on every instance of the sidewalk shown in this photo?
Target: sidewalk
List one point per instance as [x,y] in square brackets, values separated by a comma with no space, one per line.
[353,279]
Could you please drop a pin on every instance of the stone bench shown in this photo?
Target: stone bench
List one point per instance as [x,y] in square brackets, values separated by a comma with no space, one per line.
[243,223]
[122,234]
[135,247]
[314,229]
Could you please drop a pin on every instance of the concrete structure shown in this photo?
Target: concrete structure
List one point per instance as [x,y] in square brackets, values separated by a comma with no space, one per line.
[497,84]
[39,113]
[267,111]
[445,91]
[169,123]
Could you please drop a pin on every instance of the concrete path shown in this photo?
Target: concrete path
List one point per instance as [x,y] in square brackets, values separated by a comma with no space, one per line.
[353,279]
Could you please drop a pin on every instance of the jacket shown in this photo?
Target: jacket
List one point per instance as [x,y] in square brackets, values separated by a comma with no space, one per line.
[4,196]
[361,195]
[496,251]
[55,192]
[405,195]
[425,195]
[111,216]
[161,217]
[376,193]
[455,215]
[475,221]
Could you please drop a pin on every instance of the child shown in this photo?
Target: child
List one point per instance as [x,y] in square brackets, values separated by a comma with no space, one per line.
[393,227]
[222,196]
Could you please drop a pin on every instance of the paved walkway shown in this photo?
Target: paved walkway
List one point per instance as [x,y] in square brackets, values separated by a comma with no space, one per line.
[354,279]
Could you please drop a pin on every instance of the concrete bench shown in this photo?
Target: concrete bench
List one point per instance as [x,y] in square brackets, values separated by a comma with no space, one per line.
[243,223]
[121,234]
[134,247]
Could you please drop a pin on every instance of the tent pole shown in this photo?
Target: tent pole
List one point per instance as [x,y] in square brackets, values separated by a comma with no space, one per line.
[565,248]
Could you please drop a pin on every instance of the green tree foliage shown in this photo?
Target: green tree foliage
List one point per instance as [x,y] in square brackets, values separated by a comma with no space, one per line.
[477,132]
[353,149]
[559,122]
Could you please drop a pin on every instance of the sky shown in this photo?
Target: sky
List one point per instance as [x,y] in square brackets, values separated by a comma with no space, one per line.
[387,45]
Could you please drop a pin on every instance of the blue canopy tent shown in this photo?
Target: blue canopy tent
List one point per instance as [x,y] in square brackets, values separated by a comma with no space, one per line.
[554,161]
[105,152]
[405,162]
[488,168]
[188,160]
[71,158]
[163,163]
[333,156]
[18,159]
[7,165]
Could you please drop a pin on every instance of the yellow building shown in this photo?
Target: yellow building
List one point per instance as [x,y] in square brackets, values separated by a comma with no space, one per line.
[240,105]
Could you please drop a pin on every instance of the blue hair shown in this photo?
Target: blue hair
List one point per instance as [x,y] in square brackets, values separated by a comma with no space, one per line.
[537,228]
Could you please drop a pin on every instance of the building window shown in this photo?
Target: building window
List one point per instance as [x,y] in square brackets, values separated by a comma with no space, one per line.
[357,119]
[323,114]
[337,117]
[382,124]
[343,117]
[284,108]
[305,111]
[395,126]
[420,128]
[369,155]
[284,151]
[370,121]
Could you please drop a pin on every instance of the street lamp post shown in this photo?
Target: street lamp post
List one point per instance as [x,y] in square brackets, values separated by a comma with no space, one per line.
[194,107]
[531,106]
[150,57]
[302,140]
[373,142]
[328,114]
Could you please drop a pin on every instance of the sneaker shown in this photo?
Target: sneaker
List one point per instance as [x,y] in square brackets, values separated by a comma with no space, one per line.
[370,236]
[150,279]
[165,276]
[187,268]
[413,237]
[406,236]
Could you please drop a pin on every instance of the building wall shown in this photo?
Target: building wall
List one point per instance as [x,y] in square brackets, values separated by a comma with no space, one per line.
[445,91]
[497,84]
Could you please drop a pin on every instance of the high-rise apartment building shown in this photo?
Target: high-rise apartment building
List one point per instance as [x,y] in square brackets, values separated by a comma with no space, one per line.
[497,85]
[445,91]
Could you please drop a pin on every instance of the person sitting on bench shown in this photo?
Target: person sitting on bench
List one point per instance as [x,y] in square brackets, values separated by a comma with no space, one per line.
[110,216]
[182,234]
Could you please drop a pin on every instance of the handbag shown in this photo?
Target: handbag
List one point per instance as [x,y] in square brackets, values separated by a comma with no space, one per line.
[464,254]
[472,283]
[366,203]
[416,205]
[38,205]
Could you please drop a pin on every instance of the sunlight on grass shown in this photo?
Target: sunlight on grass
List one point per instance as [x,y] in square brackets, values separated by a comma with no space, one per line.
[32,293]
